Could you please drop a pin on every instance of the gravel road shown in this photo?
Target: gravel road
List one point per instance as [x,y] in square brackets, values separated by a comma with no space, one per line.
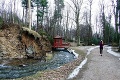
[106,67]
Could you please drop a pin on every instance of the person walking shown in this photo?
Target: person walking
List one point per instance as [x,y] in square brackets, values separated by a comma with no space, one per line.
[101,47]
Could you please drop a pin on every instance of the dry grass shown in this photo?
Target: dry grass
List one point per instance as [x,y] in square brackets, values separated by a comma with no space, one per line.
[31,32]
[78,51]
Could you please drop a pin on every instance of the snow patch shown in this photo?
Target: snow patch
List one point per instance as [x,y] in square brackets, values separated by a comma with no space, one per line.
[112,52]
[90,49]
[74,53]
[77,69]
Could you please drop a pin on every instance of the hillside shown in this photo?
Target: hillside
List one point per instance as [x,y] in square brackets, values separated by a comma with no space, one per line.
[20,42]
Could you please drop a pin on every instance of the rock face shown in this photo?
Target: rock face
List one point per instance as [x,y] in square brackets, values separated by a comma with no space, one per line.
[20,42]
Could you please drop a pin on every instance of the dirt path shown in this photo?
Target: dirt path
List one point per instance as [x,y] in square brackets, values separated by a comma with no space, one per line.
[106,67]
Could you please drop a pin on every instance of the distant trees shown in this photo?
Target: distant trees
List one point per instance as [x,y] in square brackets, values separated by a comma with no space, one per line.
[8,11]
[90,32]
[110,35]
[85,35]
[27,5]
[115,5]
[25,9]
[57,17]
[117,20]
[41,6]
[41,10]
[103,20]
[56,22]
[77,4]
[118,8]
[105,23]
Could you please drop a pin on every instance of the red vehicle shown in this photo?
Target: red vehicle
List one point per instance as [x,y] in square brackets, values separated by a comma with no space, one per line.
[58,43]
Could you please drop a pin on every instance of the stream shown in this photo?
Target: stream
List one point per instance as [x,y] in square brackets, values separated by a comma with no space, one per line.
[10,69]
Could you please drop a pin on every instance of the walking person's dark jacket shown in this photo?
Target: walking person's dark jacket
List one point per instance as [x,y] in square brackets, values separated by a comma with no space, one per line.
[101,47]
[101,44]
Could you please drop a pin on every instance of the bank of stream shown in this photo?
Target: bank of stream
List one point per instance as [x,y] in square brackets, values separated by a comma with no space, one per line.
[16,68]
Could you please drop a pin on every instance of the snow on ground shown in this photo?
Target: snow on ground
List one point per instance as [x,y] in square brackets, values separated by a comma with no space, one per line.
[112,52]
[77,69]
[90,49]
[73,52]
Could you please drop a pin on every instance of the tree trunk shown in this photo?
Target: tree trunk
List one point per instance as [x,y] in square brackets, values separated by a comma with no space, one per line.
[29,5]
[23,16]
[77,31]
[119,30]
[89,39]
[116,25]
[66,33]
[14,12]
[119,46]
[37,18]
[11,15]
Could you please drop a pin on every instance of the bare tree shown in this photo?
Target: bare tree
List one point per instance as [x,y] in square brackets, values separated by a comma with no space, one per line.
[77,4]
[66,33]
[3,10]
[115,12]
[90,34]
[102,18]
[14,11]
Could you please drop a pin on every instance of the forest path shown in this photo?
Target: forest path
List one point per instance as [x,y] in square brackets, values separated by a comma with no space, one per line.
[106,67]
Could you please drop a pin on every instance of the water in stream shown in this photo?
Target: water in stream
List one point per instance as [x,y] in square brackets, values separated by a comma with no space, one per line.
[11,68]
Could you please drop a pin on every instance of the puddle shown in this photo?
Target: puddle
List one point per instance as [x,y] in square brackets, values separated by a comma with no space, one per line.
[10,69]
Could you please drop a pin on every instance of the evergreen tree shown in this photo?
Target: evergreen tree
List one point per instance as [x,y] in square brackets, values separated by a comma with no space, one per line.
[25,9]
[41,10]
[59,5]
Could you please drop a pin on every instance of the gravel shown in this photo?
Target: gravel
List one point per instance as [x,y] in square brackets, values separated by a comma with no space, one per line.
[106,67]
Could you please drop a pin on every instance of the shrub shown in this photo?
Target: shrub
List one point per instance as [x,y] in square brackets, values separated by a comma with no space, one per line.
[115,44]
[1,22]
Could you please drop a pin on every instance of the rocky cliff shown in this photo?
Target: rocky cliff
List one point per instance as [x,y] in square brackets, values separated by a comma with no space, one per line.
[20,42]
